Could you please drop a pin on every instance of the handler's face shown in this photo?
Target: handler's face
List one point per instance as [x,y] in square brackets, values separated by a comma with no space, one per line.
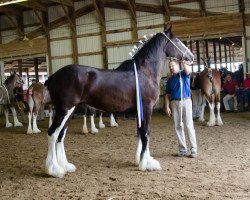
[174,67]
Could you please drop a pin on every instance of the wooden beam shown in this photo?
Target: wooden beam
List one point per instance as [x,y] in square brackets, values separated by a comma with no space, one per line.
[202,4]
[131,4]
[215,54]
[10,11]
[220,53]
[165,4]
[182,2]
[74,34]
[198,55]
[72,26]
[20,67]
[41,21]
[36,69]
[35,5]
[15,25]
[225,52]
[65,2]
[99,13]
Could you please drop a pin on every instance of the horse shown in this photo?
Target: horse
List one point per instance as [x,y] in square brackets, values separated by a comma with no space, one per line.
[38,96]
[112,91]
[210,80]
[7,98]
[93,128]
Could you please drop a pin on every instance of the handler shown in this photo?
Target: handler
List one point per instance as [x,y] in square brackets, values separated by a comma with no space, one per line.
[178,95]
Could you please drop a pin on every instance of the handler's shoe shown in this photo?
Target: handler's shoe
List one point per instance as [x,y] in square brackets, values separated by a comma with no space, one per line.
[193,155]
[181,154]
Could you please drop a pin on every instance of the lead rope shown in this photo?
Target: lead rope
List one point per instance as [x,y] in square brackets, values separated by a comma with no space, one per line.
[181,102]
[138,98]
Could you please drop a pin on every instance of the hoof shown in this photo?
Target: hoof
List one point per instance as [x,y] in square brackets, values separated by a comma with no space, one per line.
[85,130]
[102,126]
[8,125]
[94,131]
[55,171]
[69,167]
[210,123]
[36,131]
[114,125]
[18,124]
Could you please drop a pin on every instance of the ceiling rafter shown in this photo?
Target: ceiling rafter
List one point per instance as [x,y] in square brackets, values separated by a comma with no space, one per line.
[35,5]
[10,11]
[41,21]
[182,2]
[15,25]
[165,4]
[202,4]
[98,13]
[131,5]
[64,2]
[72,26]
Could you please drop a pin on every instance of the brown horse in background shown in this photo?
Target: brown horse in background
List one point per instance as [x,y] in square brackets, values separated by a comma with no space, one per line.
[210,80]
[38,97]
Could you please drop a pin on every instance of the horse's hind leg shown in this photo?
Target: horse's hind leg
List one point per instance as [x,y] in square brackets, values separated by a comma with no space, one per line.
[218,120]
[211,121]
[146,161]
[60,151]
[113,123]
[31,107]
[203,105]
[38,105]
[6,113]
[16,121]
[52,167]
[84,127]
[101,124]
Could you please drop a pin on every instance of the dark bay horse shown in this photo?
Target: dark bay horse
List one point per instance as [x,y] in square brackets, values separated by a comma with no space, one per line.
[38,97]
[7,98]
[210,80]
[111,91]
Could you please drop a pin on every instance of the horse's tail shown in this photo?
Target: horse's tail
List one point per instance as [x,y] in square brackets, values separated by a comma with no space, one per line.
[47,82]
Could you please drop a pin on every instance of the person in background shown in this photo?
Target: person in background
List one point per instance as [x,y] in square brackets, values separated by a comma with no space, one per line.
[244,92]
[178,96]
[230,86]
[196,94]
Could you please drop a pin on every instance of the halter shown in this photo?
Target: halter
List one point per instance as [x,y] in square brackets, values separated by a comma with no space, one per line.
[183,53]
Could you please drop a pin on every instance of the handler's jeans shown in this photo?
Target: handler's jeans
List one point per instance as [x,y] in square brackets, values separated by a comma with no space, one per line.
[188,122]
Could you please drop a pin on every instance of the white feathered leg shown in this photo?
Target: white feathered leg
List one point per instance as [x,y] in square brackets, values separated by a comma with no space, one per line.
[113,123]
[6,113]
[93,128]
[35,128]
[101,124]
[84,127]
[16,121]
[211,121]
[52,167]
[219,120]
[61,156]
[29,130]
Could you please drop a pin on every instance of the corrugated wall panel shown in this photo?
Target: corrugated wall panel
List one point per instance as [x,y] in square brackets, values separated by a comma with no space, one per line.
[62,31]
[87,24]
[145,19]
[225,6]
[247,6]
[61,48]
[176,18]
[55,12]
[8,36]
[80,4]
[147,32]
[92,61]
[59,63]
[5,22]
[117,19]
[29,17]
[89,44]
[119,36]
[118,54]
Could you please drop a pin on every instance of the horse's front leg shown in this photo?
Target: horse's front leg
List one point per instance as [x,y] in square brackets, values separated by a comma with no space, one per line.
[52,167]
[146,162]
[6,113]
[16,121]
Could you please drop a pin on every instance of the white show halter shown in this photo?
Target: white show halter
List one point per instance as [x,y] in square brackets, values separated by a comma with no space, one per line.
[183,53]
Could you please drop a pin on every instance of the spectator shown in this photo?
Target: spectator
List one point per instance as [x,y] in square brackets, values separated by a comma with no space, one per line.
[229,86]
[244,92]
[196,94]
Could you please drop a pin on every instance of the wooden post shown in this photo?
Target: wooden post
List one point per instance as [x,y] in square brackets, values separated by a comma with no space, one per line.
[215,55]
[46,22]
[36,69]
[198,55]
[225,51]
[207,50]
[230,60]
[191,49]
[20,67]
[28,77]
[220,53]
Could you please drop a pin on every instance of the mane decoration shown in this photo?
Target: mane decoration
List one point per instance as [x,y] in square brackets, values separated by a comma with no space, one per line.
[134,51]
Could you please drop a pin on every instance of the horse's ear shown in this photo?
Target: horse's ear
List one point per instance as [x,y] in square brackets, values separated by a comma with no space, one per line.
[168,28]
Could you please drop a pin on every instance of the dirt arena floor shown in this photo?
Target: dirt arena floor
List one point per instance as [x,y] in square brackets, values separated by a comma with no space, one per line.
[106,169]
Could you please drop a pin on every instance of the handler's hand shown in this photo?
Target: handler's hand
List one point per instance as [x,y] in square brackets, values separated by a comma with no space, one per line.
[168,111]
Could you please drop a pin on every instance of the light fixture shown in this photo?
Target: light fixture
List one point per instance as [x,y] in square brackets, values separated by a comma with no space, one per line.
[7,2]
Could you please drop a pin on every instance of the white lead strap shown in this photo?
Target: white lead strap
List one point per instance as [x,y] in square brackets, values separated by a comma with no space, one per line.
[137,97]
[181,102]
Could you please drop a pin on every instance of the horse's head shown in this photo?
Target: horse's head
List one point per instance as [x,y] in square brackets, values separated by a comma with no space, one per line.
[175,48]
[18,78]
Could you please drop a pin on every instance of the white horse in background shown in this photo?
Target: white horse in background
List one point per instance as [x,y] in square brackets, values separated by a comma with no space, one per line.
[7,98]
